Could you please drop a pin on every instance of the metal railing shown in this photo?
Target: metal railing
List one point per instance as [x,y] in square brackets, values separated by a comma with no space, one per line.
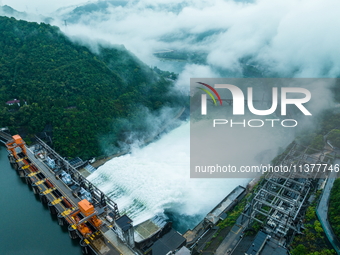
[4,137]
[83,182]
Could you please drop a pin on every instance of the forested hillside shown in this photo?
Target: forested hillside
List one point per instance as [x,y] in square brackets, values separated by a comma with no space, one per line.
[334,208]
[68,90]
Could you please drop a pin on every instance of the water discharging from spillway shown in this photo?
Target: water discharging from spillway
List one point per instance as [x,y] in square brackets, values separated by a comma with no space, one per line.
[155,179]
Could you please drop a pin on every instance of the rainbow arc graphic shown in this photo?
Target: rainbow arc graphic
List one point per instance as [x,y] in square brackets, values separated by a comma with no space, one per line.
[209,93]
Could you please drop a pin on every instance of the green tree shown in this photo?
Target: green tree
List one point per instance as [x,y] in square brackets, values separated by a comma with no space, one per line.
[299,250]
[74,95]
[334,137]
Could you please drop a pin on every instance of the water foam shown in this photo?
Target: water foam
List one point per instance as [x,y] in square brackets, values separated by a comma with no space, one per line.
[156,178]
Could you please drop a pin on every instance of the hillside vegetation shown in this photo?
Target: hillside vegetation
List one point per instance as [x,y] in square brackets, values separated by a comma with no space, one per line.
[334,208]
[74,95]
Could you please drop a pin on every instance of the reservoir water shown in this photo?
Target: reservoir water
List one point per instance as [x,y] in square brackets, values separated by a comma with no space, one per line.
[27,227]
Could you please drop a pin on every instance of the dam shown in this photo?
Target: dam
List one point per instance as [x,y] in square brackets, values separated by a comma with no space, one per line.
[90,216]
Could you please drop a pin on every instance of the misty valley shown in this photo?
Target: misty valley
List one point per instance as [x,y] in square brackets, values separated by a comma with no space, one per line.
[114,90]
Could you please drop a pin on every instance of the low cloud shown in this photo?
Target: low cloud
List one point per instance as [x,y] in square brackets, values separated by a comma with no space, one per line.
[281,37]
[288,38]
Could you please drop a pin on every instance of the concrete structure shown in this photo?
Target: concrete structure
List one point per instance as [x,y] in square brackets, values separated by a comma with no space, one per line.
[87,212]
[219,212]
[85,220]
[124,229]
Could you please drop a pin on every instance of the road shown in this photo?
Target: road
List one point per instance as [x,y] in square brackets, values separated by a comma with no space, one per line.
[233,238]
[322,211]
[66,191]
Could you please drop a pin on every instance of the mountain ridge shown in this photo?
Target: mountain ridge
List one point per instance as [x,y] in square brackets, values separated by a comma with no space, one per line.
[77,94]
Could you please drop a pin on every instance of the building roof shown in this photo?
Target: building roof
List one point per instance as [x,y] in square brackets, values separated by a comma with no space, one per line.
[15,101]
[256,247]
[183,251]
[273,248]
[124,222]
[215,215]
[169,242]
[145,230]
